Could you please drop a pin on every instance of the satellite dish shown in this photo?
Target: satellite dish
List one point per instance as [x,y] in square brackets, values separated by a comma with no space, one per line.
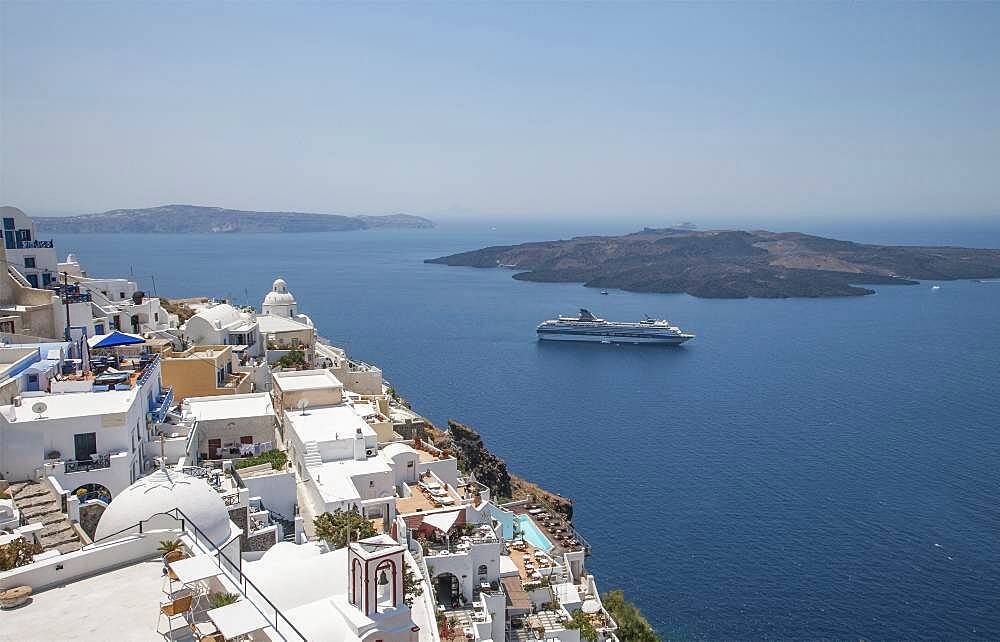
[39,408]
[302,405]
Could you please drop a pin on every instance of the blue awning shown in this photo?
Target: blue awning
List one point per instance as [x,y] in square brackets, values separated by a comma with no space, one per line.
[114,339]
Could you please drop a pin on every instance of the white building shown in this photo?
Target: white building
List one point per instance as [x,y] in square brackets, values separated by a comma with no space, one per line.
[222,324]
[82,434]
[33,257]
[228,426]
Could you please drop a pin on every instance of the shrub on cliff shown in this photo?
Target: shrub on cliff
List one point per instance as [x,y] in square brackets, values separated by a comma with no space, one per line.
[632,625]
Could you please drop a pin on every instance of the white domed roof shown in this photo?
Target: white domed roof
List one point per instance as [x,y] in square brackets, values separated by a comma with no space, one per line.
[164,491]
[279,294]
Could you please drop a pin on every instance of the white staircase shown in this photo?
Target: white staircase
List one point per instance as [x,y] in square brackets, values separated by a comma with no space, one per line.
[311,456]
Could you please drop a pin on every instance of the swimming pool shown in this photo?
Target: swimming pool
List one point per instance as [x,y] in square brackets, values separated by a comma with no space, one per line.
[532,535]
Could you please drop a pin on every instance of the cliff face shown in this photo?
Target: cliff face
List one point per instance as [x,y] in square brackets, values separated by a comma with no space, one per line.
[731,263]
[492,472]
[488,469]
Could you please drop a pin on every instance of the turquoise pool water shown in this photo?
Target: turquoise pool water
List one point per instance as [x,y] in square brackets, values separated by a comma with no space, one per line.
[532,535]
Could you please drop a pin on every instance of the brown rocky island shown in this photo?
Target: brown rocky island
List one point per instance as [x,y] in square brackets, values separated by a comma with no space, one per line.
[731,264]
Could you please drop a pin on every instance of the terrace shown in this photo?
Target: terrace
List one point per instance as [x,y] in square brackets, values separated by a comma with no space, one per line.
[533,564]
[554,526]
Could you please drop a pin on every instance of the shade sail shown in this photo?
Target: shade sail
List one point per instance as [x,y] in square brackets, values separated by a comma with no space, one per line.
[442,521]
[114,339]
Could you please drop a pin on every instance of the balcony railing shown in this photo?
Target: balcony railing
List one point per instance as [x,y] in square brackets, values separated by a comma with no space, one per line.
[148,371]
[36,244]
[162,406]
[84,465]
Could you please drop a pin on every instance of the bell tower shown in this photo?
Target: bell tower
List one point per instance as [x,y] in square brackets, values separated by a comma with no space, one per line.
[375,575]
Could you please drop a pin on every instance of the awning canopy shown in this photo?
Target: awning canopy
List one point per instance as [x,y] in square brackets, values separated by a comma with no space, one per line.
[442,521]
[114,339]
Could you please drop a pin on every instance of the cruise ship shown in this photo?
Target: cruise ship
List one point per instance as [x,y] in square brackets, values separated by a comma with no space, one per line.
[587,327]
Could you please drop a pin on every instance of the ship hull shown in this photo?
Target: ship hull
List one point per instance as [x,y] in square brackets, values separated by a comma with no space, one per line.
[611,338]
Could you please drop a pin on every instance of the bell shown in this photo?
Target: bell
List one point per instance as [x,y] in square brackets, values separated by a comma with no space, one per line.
[383,579]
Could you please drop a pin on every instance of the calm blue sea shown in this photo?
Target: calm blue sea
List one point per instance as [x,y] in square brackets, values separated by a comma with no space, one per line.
[803,469]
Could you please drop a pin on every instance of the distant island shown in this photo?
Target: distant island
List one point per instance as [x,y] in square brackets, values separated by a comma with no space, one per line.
[174,219]
[730,264]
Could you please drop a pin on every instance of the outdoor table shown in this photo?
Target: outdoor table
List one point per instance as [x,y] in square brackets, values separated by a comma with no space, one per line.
[192,570]
[239,618]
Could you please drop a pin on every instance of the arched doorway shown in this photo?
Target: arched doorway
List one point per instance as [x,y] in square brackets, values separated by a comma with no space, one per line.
[94,499]
[447,590]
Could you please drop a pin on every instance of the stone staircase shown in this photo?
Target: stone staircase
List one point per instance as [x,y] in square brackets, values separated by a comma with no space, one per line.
[39,505]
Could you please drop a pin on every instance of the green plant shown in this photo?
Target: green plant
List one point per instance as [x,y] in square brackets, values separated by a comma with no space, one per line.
[340,527]
[632,625]
[169,545]
[294,359]
[218,600]
[412,587]
[277,459]
[17,553]
[580,621]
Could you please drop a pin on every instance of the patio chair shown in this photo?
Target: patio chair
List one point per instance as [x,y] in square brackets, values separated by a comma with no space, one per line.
[201,636]
[172,609]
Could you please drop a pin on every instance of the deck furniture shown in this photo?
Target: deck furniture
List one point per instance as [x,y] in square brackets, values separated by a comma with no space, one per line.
[192,571]
[174,608]
[14,597]
[237,619]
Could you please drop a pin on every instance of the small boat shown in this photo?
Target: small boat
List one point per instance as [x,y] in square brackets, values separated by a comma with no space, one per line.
[604,291]
[935,287]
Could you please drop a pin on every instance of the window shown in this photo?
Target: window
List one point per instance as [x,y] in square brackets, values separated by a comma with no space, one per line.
[32,279]
[46,279]
[98,328]
[121,295]
[409,464]
[156,316]
[85,445]
[483,570]
[8,239]
[8,223]
[29,262]
[246,439]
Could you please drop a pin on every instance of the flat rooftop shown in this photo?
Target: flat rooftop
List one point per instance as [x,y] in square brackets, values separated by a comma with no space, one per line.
[335,483]
[297,381]
[328,423]
[256,404]
[72,404]
[122,604]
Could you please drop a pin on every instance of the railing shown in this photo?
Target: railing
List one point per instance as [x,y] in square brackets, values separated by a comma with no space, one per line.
[147,372]
[84,465]
[161,408]
[232,499]
[235,569]
[34,245]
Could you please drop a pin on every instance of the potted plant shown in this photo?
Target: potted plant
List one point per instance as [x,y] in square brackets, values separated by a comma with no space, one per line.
[171,550]
[218,600]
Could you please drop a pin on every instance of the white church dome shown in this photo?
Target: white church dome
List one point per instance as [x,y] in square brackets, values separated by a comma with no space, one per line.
[279,294]
[164,491]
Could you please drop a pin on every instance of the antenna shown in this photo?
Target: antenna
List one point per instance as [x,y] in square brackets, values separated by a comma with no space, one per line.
[39,409]
[302,404]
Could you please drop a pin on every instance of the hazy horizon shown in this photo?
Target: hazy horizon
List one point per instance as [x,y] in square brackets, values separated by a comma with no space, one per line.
[646,112]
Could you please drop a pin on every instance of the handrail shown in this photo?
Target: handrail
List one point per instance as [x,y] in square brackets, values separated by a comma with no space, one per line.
[218,555]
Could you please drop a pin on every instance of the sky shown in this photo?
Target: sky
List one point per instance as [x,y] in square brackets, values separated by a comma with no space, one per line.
[543,110]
